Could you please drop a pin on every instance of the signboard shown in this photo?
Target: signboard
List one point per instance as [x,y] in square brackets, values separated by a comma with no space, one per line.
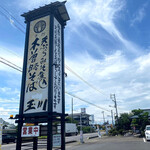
[56,140]
[36,89]
[30,131]
[57,68]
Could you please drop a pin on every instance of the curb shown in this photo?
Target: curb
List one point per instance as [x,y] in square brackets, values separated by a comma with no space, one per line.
[137,135]
[70,142]
[92,137]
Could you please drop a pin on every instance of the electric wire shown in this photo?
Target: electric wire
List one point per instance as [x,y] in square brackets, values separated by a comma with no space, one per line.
[90,85]
[12,16]
[10,66]
[86,101]
[68,68]
[65,91]
[12,23]
[11,63]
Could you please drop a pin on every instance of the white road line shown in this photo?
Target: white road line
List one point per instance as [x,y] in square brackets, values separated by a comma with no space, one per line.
[144,140]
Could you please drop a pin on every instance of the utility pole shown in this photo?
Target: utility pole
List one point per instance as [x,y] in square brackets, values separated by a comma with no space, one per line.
[72,112]
[103,116]
[112,118]
[113,97]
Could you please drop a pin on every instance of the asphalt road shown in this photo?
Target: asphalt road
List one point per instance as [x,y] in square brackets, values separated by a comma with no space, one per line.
[104,143]
[12,146]
[112,143]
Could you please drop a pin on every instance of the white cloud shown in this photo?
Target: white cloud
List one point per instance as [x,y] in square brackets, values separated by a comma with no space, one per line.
[10,58]
[113,74]
[140,14]
[104,13]
[143,62]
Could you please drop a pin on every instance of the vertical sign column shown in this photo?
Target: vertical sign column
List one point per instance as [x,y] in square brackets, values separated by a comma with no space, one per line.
[36,88]
[57,68]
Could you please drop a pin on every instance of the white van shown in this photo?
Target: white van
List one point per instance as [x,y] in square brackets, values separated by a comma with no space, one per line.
[147,132]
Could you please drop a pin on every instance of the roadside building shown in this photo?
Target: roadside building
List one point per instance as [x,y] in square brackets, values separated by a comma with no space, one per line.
[144,110]
[85,118]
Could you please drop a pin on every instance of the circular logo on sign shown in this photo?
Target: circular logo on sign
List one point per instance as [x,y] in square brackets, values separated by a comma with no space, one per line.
[39,26]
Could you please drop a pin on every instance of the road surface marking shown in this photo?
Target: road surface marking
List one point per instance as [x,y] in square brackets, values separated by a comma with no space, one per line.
[144,140]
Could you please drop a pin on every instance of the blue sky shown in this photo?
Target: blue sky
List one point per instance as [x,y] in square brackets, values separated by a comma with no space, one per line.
[106,44]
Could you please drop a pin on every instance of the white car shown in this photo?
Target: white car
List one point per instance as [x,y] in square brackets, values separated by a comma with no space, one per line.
[147,132]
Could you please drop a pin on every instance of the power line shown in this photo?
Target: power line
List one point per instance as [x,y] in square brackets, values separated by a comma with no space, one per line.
[65,92]
[86,101]
[90,85]
[10,63]
[10,66]
[12,23]
[68,68]
[12,16]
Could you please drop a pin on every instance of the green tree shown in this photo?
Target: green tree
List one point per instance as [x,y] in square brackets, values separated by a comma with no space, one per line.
[124,122]
[141,121]
[70,120]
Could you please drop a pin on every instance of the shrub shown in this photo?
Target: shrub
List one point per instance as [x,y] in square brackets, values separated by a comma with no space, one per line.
[113,132]
[121,131]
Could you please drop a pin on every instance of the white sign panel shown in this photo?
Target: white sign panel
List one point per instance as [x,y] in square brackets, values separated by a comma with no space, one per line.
[30,131]
[36,89]
[57,140]
[57,68]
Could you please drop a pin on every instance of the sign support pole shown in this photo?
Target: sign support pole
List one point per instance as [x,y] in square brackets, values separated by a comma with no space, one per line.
[35,141]
[19,139]
[49,134]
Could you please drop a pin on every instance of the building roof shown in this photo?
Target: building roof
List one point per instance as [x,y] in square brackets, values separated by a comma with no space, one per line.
[58,8]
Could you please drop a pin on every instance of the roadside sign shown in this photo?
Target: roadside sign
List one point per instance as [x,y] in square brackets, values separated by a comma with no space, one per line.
[36,90]
[30,131]
[56,140]
[42,91]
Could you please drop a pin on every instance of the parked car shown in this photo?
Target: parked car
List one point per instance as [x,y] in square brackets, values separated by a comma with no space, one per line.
[6,138]
[147,132]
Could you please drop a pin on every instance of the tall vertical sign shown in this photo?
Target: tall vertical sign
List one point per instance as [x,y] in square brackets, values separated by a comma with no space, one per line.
[57,69]
[36,89]
[42,90]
